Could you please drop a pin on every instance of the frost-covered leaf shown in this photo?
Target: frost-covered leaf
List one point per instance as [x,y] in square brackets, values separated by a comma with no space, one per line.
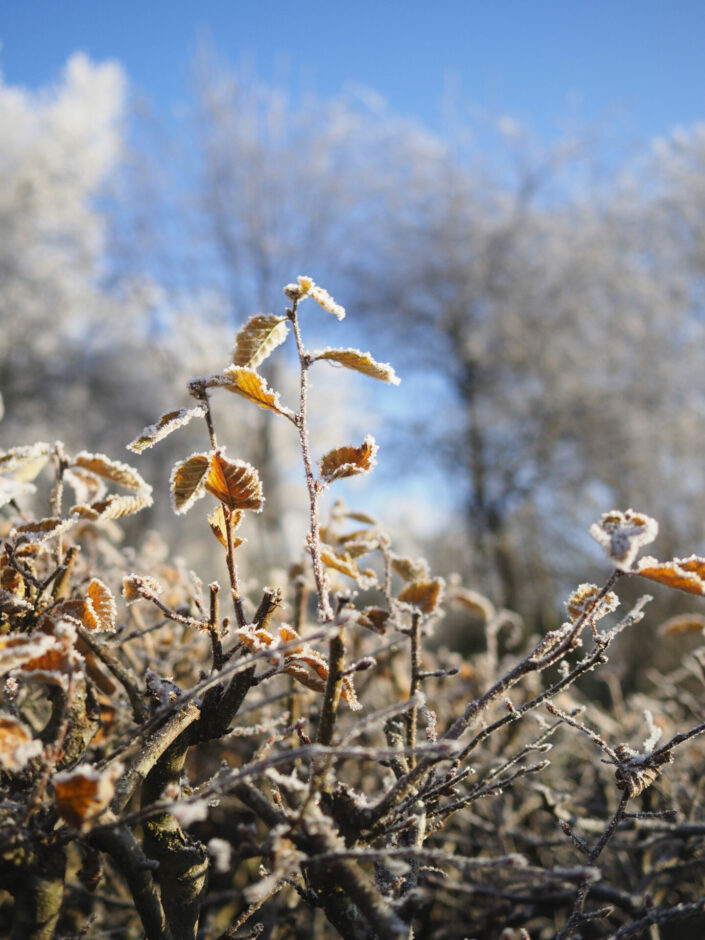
[622,534]
[11,603]
[235,483]
[113,470]
[310,668]
[685,574]
[88,487]
[583,601]
[348,461]
[410,569]
[306,287]
[424,595]
[345,564]
[363,517]
[25,462]
[36,532]
[258,338]
[100,611]
[135,586]
[15,650]
[359,362]
[85,792]
[373,618]
[219,526]
[17,746]
[164,426]
[252,386]
[188,482]
[114,506]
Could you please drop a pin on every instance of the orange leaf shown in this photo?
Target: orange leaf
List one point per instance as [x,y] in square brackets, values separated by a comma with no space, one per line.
[251,385]
[680,573]
[235,483]
[83,793]
[348,461]
[425,595]
[216,520]
[17,746]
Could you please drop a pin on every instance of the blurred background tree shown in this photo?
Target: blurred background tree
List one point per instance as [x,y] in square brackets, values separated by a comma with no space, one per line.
[546,317]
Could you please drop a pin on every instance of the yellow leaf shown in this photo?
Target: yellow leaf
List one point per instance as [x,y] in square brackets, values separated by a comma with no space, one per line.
[251,385]
[161,428]
[258,337]
[113,507]
[218,525]
[188,482]
[408,569]
[360,362]
[348,461]
[425,595]
[345,564]
[235,483]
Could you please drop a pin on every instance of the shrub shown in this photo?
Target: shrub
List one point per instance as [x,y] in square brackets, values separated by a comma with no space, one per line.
[306,765]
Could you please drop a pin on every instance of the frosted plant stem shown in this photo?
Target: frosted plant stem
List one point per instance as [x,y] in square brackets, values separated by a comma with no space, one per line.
[325,611]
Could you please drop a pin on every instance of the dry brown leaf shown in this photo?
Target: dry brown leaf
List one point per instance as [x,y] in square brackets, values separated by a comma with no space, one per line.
[683,623]
[112,470]
[219,528]
[83,793]
[17,746]
[188,482]
[348,461]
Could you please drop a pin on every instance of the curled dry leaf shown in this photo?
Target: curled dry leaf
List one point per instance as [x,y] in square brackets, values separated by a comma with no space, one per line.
[235,483]
[258,338]
[683,623]
[622,534]
[685,574]
[251,385]
[15,650]
[583,601]
[114,506]
[348,461]
[163,427]
[474,602]
[36,532]
[359,362]
[424,595]
[188,482]
[97,611]
[83,793]
[306,287]
[17,746]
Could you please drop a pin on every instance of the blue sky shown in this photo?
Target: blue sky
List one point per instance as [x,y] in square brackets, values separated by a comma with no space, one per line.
[636,66]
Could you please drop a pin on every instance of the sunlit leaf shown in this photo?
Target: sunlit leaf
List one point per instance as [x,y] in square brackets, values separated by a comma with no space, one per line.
[235,483]
[685,574]
[348,461]
[219,527]
[25,462]
[409,569]
[424,595]
[345,564]
[114,506]
[252,386]
[164,426]
[17,746]
[113,470]
[257,338]
[374,618]
[100,613]
[360,362]
[134,587]
[188,482]
[83,793]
